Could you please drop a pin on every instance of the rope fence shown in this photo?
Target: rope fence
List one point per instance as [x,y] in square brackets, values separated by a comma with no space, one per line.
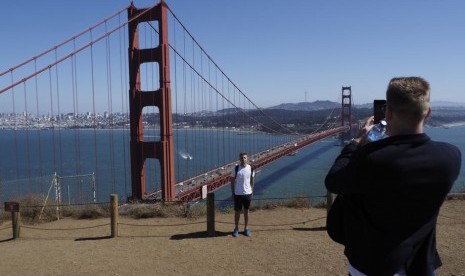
[210,218]
[275,225]
[161,225]
[276,198]
[65,229]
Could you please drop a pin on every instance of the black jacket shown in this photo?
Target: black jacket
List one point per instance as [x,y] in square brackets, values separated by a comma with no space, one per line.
[393,190]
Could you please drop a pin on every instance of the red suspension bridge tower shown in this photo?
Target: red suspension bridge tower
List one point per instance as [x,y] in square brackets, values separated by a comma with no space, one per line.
[346,111]
[162,150]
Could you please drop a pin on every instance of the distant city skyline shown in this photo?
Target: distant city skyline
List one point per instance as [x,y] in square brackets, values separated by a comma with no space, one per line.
[317,103]
[282,52]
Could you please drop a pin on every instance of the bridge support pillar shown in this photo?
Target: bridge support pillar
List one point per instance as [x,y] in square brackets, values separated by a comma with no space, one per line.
[162,150]
[346,111]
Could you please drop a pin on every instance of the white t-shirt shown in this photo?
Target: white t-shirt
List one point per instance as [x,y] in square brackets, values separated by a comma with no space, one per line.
[242,183]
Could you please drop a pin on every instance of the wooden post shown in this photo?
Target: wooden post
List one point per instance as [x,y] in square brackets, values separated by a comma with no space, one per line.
[15,222]
[211,214]
[114,215]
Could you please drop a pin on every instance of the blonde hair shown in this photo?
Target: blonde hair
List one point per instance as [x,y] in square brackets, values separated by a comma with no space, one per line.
[409,97]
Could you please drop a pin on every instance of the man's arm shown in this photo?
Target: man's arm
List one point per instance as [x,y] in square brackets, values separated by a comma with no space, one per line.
[233,180]
[339,174]
[345,175]
[251,182]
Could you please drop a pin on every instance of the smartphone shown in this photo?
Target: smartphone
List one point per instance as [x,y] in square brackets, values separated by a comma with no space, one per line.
[378,110]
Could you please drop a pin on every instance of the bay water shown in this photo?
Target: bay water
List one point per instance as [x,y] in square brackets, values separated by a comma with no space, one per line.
[102,157]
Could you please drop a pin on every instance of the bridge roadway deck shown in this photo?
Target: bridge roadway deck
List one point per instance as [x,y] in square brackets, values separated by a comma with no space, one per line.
[191,189]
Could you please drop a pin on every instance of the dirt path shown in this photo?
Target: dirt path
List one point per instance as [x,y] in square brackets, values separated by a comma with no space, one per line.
[283,242]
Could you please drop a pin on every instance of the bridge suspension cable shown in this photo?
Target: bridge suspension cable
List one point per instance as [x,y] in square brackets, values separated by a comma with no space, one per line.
[66,111]
[287,131]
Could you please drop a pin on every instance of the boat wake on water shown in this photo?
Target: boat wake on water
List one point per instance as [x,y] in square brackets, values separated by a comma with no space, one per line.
[185,156]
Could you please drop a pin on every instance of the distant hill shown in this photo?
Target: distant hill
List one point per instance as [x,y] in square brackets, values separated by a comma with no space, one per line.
[322,105]
[309,113]
[303,117]
[307,106]
[447,105]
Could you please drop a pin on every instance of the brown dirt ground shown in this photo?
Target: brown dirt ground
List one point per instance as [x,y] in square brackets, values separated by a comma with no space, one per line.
[284,242]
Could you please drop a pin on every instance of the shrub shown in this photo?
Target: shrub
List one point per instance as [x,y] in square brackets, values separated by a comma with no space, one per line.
[195,211]
[152,210]
[92,211]
[162,210]
[321,203]
[299,202]
[265,205]
[33,209]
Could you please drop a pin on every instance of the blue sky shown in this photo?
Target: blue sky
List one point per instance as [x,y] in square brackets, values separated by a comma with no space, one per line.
[275,51]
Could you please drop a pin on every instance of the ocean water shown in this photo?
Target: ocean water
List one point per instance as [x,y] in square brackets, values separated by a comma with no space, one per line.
[304,173]
[30,158]
[455,136]
[88,160]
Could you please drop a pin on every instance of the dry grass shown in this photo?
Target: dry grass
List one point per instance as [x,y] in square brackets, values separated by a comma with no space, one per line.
[297,203]
[34,210]
[163,210]
[92,211]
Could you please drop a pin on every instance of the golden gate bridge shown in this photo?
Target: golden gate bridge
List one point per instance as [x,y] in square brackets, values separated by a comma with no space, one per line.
[143,72]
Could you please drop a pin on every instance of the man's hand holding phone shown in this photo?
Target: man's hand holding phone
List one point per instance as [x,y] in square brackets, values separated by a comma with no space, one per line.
[379,106]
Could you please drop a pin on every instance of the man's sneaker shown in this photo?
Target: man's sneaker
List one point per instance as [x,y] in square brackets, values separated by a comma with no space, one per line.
[247,232]
[235,233]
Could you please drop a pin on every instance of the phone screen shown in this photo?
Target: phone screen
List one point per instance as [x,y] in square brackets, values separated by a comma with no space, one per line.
[378,110]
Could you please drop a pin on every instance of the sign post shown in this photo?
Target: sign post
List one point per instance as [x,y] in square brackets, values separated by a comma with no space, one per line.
[13,207]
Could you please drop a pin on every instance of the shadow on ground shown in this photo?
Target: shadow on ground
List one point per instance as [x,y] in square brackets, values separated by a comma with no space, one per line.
[93,238]
[312,229]
[6,240]
[199,235]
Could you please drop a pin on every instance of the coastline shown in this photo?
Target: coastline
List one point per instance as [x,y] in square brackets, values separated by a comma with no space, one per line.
[445,125]
[454,124]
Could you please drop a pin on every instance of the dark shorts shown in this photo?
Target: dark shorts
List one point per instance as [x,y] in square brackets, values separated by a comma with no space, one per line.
[242,200]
